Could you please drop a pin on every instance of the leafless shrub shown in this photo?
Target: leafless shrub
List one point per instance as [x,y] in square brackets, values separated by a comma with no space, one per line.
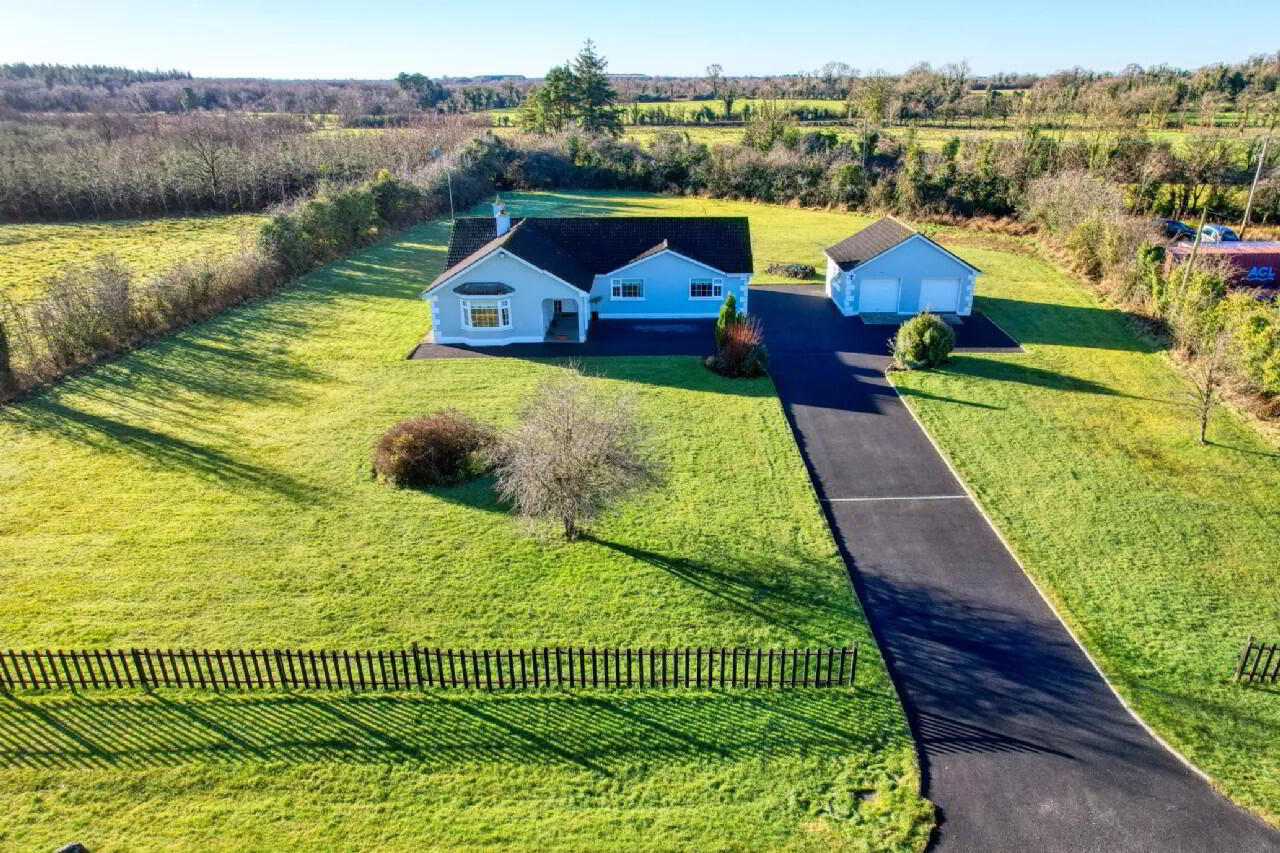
[576,453]
[1061,202]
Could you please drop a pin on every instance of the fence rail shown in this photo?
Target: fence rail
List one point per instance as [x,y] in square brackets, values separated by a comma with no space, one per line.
[1259,662]
[421,668]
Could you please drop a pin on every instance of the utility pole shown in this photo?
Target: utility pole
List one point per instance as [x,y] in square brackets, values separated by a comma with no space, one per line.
[1257,173]
[1195,249]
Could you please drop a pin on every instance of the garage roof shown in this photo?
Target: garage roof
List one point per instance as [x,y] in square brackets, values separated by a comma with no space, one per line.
[876,239]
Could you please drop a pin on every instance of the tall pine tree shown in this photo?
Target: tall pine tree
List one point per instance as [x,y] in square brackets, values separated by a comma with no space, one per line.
[594,98]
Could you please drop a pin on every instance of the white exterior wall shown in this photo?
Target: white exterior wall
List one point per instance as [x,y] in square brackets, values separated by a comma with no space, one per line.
[909,263]
[666,290]
[836,286]
[529,312]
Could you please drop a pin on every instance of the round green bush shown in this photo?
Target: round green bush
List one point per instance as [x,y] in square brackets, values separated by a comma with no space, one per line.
[444,449]
[923,341]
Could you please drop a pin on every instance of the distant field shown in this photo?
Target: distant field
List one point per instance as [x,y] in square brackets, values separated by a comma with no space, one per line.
[930,137]
[30,253]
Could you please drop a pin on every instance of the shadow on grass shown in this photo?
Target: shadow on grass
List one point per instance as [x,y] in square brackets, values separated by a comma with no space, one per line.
[47,415]
[1019,372]
[791,605]
[1066,325]
[600,732]
[1243,450]
[925,395]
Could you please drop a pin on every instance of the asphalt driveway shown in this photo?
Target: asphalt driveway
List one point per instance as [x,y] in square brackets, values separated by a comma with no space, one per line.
[1024,747]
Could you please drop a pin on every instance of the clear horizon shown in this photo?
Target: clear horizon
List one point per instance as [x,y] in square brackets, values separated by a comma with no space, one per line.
[292,40]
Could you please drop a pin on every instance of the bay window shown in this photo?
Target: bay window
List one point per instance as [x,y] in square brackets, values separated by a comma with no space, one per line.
[486,313]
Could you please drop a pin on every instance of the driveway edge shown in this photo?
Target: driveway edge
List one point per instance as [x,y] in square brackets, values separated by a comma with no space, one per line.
[1170,748]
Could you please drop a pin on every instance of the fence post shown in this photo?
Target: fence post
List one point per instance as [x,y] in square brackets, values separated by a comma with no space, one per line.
[137,665]
[1244,657]
[417,664]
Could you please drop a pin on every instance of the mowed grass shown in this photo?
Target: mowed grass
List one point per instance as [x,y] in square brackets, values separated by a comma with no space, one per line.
[214,489]
[1161,554]
[30,253]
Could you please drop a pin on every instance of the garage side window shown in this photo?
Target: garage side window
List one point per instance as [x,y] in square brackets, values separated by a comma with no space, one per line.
[628,288]
[706,288]
[486,313]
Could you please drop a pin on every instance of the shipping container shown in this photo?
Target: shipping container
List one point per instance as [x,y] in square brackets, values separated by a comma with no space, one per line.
[1256,262]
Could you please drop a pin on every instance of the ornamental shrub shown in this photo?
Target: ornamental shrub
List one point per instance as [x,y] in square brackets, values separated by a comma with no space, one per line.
[793,270]
[444,449]
[923,341]
[742,353]
[729,316]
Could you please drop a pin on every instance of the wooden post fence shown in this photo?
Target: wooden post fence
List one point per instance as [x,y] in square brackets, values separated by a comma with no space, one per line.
[418,668]
[1258,662]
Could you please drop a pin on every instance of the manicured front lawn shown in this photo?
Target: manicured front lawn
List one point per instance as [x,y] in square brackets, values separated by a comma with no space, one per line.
[1162,554]
[214,489]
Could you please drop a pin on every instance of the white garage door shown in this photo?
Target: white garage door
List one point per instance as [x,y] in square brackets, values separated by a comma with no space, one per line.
[878,296]
[940,295]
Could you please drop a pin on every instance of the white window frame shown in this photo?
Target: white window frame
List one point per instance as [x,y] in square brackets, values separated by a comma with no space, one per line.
[615,290]
[717,287]
[504,313]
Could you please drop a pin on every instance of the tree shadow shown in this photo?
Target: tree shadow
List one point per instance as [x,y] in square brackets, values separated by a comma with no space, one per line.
[925,395]
[47,415]
[1269,454]
[602,732]
[789,604]
[1015,371]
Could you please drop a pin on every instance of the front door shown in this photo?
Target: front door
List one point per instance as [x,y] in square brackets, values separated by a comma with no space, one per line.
[564,306]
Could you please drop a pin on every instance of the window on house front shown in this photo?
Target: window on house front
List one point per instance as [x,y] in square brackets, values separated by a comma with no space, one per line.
[486,314]
[706,288]
[628,288]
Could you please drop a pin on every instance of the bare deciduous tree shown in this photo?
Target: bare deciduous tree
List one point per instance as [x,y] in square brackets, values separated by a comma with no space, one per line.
[576,453]
[1203,340]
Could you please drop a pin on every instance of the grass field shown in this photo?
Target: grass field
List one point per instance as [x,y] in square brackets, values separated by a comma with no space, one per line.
[1161,554]
[214,489]
[30,253]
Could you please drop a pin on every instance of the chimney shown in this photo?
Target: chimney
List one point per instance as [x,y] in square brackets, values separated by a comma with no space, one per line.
[501,219]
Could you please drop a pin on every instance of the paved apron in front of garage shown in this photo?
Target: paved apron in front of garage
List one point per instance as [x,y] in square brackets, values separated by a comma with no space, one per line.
[1023,745]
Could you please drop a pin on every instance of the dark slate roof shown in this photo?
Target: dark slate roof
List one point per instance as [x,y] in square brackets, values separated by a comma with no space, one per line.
[578,248]
[875,239]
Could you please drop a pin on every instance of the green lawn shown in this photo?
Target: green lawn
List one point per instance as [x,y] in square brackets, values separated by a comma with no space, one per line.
[1161,554]
[30,253]
[214,489]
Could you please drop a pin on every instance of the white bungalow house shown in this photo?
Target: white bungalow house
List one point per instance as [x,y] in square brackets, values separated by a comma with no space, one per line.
[533,279]
[890,268]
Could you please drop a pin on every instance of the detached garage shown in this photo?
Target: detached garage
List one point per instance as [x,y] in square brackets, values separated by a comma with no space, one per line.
[889,268]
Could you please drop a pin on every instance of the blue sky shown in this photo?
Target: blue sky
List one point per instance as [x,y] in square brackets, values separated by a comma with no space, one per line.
[325,38]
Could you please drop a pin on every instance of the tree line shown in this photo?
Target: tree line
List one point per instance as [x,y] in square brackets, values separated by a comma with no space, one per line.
[115,167]
[1158,96]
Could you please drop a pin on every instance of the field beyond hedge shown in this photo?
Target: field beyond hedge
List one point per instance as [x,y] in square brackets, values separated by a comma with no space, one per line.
[213,489]
[30,253]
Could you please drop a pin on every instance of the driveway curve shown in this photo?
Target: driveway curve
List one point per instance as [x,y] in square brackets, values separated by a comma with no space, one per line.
[1023,745]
